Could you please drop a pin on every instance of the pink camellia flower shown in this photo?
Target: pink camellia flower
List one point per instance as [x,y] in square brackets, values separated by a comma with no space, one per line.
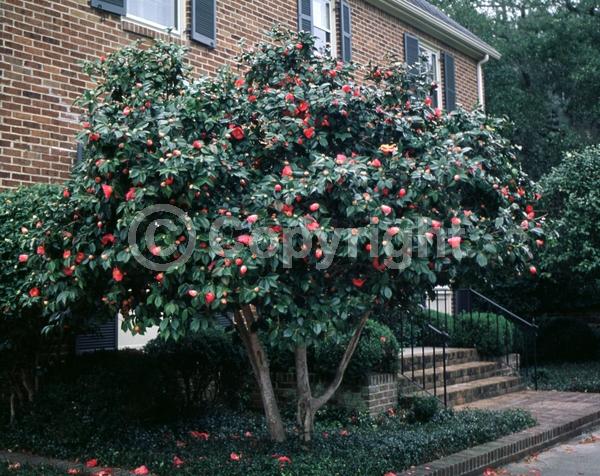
[209,297]
[252,219]
[287,171]
[429,235]
[155,250]
[192,293]
[23,258]
[66,254]
[428,101]
[244,240]
[402,192]
[197,144]
[130,195]
[91,463]
[524,225]
[455,221]
[390,473]
[107,190]
[126,111]
[289,97]
[314,207]
[436,225]
[346,88]
[234,456]
[141,470]
[117,275]
[455,241]
[243,269]
[358,282]
[393,230]
[438,112]
[340,159]
[386,210]
[66,193]
[313,226]
[283,460]
[248,434]
[178,462]
[199,435]
[103,472]
[344,433]
[73,471]
[376,163]
[539,243]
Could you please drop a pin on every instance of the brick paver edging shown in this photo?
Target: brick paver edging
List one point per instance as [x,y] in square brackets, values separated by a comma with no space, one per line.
[560,416]
[32,460]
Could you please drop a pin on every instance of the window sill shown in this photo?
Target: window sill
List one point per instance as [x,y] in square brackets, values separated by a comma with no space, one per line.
[142,29]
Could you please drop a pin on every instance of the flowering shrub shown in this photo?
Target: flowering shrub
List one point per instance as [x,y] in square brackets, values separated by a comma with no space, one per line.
[385,196]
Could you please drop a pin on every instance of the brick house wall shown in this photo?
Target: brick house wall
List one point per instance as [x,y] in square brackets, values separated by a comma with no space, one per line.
[43,43]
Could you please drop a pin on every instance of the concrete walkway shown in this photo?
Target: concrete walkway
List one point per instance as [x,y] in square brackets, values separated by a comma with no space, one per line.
[560,416]
[578,457]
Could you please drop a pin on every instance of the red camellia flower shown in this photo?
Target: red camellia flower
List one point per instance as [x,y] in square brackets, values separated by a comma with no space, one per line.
[533,270]
[455,241]
[243,269]
[358,282]
[34,292]
[107,190]
[66,254]
[177,462]
[68,272]
[117,275]
[94,137]
[287,171]
[346,88]
[23,258]
[234,456]
[239,82]
[277,188]
[252,219]
[107,239]
[314,207]
[66,193]
[155,250]
[428,101]
[289,97]
[393,230]
[455,221]
[436,225]
[91,463]
[283,460]
[376,163]
[237,133]
[386,210]
[142,470]
[130,195]
[209,297]
[402,192]
[40,250]
[73,471]
[199,435]
[309,132]
[197,144]
[438,112]
[160,277]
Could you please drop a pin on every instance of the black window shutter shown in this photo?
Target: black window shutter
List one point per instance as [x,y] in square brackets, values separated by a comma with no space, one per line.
[104,337]
[434,90]
[305,21]
[411,49]
[112,6]
[79,157]
[449,82]
[204,22]
[345,21]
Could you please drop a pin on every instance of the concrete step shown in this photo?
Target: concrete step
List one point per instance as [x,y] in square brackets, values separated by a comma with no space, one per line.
[455,374]
[462,393]
[425,357]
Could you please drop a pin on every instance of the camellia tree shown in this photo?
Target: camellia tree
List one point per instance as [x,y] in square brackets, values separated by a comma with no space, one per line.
[290,197]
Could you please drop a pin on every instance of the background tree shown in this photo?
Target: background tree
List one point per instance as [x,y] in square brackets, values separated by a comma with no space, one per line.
[314,182]
[546,80]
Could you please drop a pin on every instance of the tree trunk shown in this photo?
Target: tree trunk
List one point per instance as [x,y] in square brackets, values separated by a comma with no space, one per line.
[309,405]
[244,321]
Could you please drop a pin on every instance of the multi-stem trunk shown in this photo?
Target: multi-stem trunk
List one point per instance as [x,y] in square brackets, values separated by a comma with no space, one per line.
[244,323]
[308,405]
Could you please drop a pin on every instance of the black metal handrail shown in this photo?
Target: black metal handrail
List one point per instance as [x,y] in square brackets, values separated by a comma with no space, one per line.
[511,315]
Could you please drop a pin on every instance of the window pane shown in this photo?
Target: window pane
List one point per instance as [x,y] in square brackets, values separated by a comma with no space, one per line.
[161,12]
[321,12]
[322,38]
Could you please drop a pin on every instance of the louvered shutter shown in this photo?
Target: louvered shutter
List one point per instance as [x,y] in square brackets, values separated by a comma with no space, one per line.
[449,82]
[346,24]
[79,157]
[411,49]
[204,22]
[103,338]
[305,22]
[112,6]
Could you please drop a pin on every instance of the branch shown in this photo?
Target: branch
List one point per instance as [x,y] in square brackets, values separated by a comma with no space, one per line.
[339,375]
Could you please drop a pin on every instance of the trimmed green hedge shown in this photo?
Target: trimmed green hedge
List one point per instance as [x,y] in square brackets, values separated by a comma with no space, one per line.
[570,377]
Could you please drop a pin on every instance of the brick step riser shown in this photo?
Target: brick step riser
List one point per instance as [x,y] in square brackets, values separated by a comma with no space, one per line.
[404,382]
[450,360]
[467,396]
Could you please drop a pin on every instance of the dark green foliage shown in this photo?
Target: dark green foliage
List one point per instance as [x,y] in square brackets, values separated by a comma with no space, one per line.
[566,340]
[377,352]
[423,409]
[344,446]
[570,377]
[207,366]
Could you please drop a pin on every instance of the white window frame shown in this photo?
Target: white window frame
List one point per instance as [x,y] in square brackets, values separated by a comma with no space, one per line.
[332,26]
[429,49]
[179,28]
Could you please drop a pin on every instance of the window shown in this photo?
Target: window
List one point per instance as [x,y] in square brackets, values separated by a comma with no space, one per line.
[432,68]
[156,13]
[323,25]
